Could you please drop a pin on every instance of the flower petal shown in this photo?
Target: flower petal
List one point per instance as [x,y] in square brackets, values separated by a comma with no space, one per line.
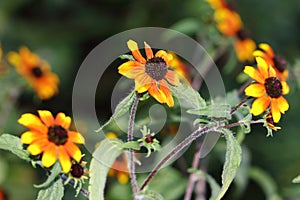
[29,136]
[64,159]
[132,45]
[73,151]
[131,69]
[275,110]
[37,147]
[263,67]
[46,117]
[76,137]
[166,90]
[260,105]
[33,122]
[49,155]
[172,77]
[285,87]
[267,48]
[157,93]
[63,120]
[254,74]
[142,83]
[283,104]
[255,90]
[164,55]
[149,52]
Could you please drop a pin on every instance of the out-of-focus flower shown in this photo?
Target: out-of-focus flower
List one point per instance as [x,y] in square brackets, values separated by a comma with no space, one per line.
[244,46]
[36,71]
[180,67]
[216,4]
[52,138]
[228,21]
[120,170]
[268,89]
[3,195]
[277,61]
[152,74]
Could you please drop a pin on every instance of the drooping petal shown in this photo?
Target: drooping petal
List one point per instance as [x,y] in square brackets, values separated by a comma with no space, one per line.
[267,48]
[142,83]
[63,120]
[255,90]
[166,90]
[275,110]
[75,137]
[149,52]
[272,72]
[73,151]
[164,55]
[157,93]
[260,105]
[37,147]
[172,77]
[64,159]
[285,87]
[283,104]
[132,45]
[46,117]
[131,69]
[263,67]
[33,122]
[254,74]
[49,155]
[29,136]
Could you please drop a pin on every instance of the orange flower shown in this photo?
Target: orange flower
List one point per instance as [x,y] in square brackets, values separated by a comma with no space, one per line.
[216,4]
[3,195]
[180,67]
[228,21]
[36,71]
[151,74]
[119,169]
[276,61]
[244,46]
[268,90]
[51,137]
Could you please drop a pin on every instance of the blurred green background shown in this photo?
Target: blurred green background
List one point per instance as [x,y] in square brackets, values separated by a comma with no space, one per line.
[63,32]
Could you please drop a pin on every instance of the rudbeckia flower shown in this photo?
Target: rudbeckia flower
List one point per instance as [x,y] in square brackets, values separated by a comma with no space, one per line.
[119,170]
[279,64]
[180,67]
[52,138]
[244,46]
[268,90]
[151,74]
[228,21]
[36,71]
[270,123]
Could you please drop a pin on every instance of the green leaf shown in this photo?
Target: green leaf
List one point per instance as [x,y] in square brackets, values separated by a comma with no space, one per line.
[187,26]
[266,183]
[188,97]
[103,158]
[55,171]
[54,192]
[131,145]
[14,145]
[296,179]
[214,110]
[122,108]
[149,195]
[232,161]
[125,56]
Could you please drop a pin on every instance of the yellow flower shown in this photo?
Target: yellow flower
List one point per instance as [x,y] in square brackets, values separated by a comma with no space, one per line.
[36,71]
[151,74]
[276,61]
[228,21]
[268,90]
[244,46]
[216,4]
[52,138]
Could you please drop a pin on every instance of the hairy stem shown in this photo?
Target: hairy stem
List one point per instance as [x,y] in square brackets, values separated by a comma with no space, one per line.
[131,151]
[235,108]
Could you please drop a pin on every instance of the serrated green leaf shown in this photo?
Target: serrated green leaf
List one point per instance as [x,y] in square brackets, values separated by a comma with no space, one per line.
[125,56]
[122,108]
[296,179]
[13,144]
[188,97]
[55,171]
[131,145]
[232,161]
[55,191]
[266,183]
[213,111]
[103,158]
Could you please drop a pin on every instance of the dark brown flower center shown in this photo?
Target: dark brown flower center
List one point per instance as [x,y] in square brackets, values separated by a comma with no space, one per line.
[273,87]
[279,63]
[242,34]
[156,68]
[149,139]
[37,72]
[57,135]
[77,170]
